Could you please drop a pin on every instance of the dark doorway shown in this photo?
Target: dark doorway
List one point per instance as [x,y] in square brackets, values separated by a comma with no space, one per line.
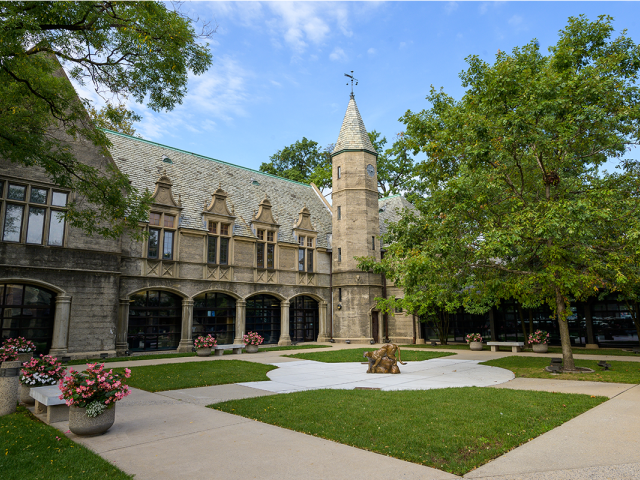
[263,317]
[155,321]
[374,327]
[27,311]
[303,319]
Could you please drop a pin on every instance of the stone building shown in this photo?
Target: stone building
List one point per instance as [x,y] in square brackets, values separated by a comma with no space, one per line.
[228,250]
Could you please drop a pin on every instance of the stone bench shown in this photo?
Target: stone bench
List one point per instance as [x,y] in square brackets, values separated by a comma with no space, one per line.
[515,346]
[218,350]
[48,402]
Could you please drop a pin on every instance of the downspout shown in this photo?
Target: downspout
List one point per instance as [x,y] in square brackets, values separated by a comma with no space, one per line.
[331,290]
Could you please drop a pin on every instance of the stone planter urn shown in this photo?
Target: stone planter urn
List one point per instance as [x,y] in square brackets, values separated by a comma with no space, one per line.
[475,346]
[85,426]
[24,394]
[203,352]
[24,357]
[251,348]
[540,347]
[9,387]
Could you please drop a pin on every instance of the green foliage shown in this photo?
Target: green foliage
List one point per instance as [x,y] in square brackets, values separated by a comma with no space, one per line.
[515,202]
[453,429]
[356,355]
[395,165]
[303,162]
[136,49]
[174,376]
[115,117]
[31,449]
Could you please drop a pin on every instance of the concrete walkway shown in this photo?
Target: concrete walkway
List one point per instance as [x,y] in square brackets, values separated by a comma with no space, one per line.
[172,435]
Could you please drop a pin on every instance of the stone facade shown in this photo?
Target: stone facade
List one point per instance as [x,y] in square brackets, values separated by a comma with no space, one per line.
[216,231]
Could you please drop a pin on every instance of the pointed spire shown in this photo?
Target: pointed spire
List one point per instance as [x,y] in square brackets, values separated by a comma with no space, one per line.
[353,134]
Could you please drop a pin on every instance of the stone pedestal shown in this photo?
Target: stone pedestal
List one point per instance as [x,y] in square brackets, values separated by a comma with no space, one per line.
[9,385]
[592,346]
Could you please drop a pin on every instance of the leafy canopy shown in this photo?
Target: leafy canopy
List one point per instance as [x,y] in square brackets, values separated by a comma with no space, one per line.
[516,203]
[124,49]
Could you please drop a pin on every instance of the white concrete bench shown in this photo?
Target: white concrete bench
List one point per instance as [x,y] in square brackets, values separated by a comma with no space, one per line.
[218,350]
[515,346]
[48,402]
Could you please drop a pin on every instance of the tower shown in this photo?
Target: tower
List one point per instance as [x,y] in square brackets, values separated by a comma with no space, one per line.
[356,230]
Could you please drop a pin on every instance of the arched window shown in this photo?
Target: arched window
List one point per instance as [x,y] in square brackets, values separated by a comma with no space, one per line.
[27,311]
[303,319]
[155,321]
[263,317]
[215,314]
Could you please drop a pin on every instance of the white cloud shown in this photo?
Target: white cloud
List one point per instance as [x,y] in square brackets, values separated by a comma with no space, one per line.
[338,55]
[515,20]
[277,84]
[371,51]
[450,7]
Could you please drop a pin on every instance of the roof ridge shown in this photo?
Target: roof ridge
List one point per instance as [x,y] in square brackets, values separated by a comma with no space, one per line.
[204,157]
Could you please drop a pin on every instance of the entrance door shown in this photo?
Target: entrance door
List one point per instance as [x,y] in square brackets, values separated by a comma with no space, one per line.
[374,326]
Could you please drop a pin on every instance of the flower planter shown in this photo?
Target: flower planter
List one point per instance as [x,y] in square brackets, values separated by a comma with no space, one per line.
[24,357]
[203,352]
[85,426]
[251,348]
[24,394]
[540,347]
[475,346]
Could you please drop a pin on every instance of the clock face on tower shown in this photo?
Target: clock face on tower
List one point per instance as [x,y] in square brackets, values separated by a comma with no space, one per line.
[370,170]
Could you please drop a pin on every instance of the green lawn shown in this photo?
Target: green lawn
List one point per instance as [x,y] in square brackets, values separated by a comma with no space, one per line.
[174,376]
[532,367]
[455,429]
[355,355]
[180,355]
[32,451]
[576,350]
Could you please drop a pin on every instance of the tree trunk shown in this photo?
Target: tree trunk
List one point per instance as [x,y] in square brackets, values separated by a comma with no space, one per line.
[442,325]
[524,328]
[567,353]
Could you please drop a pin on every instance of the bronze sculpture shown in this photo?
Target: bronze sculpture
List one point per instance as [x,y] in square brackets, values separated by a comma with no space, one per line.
[384,359]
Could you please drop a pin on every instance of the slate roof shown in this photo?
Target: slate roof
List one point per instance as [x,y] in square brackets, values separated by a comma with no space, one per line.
[353,134]
[390,209]
[196,177]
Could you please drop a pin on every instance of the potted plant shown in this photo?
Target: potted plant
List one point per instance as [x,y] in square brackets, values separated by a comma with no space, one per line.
[251,341]
[39,372]
[475,341]
[539,341]
[91,396]
[24,348]
[204,345]
[8,355]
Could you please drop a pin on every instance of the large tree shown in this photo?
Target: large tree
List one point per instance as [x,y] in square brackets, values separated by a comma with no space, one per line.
[395,164]
[303,161]
[518,204]
[140,50]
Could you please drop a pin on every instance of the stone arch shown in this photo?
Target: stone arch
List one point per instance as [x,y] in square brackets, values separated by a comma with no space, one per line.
[158,287]
[217,290]
[316,297]
[216,312]
[265,317]
[62,310]
[266,292]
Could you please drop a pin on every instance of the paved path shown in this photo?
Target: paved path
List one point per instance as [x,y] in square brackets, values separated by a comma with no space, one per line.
[425,375]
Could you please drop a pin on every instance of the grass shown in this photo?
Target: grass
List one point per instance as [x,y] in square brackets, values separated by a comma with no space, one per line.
[134,358]
[532,367]
[576,350]
[454,429]
[355,355]
[36,451]
[175,376]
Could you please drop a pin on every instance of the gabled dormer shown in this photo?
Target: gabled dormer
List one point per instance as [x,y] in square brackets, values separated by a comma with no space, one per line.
[163,194]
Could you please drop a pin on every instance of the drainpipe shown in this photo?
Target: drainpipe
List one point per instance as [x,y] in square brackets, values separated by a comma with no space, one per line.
[331,290]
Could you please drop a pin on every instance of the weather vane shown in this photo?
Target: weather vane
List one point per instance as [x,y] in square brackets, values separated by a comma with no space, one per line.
[353,79]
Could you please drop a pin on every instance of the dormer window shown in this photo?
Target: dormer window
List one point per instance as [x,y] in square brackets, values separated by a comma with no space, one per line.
[305,255]
[218,244]
[161,239]
[339,172]
[265,250]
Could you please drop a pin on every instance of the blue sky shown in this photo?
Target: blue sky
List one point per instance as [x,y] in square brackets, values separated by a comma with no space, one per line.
[278,67]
